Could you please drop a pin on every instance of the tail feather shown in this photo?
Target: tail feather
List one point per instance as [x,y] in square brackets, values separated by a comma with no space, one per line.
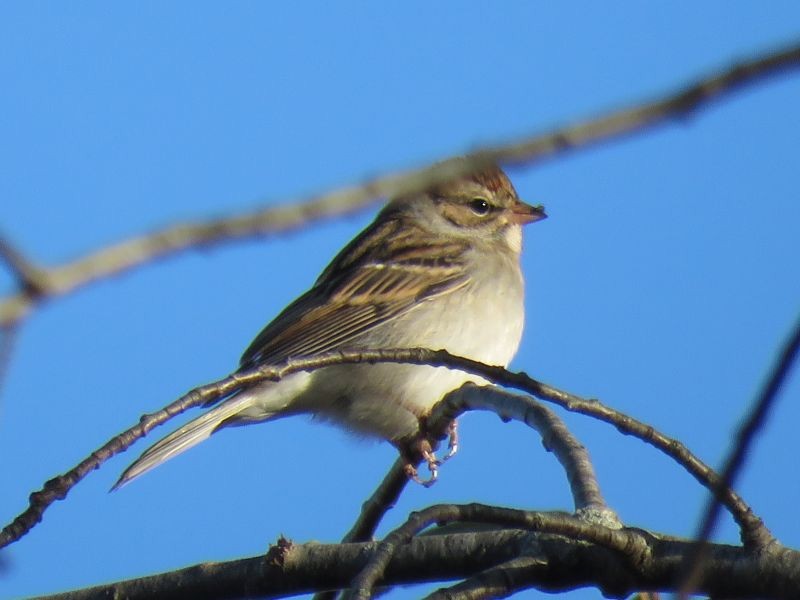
[186,437]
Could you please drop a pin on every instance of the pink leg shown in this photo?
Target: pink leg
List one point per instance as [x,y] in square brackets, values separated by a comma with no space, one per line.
[420,447]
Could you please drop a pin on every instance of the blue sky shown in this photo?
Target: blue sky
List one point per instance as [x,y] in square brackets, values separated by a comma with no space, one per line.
[663,282]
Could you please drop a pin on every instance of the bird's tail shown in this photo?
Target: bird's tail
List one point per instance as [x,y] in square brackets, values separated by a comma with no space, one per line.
[187,436]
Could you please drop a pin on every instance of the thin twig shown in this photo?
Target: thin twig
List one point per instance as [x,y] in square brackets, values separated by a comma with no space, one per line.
[556,438]
[206,395]
[378,504]
[630,546]
[754,533]
[588,499]
[752,423]
[30,279]
[373,510]
[750,427]
[499,581]
[136,252]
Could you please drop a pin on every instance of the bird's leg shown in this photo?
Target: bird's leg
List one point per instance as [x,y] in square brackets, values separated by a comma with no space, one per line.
[452,440]
[419,447]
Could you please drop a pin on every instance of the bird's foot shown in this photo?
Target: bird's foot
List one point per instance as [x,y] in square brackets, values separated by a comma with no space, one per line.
[421,447]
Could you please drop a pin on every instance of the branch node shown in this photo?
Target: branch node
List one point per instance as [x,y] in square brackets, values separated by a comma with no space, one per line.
[276,555]
[33,281]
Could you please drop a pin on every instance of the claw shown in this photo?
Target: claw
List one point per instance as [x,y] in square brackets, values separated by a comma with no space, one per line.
[452,440]
[432,479]
[433,468]
[420,446]
[423,448]
[413,474]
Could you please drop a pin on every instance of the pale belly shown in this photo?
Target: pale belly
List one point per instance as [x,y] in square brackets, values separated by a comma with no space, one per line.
[481,322]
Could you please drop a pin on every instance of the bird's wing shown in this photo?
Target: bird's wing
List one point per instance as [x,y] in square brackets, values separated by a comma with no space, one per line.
[382,274]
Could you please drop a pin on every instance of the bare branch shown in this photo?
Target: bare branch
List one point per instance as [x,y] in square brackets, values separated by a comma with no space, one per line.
[632,547]
[744,438]
[753,530]
[555,436]
[136,252]
[373,510]
[589,503]
[292,569]
[377,505]
[304,568]
[499,581]
[753,422]
[139,251]
[30,279]
[206,395]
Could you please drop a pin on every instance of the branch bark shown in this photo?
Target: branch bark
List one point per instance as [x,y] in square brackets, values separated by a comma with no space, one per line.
[556,438]
[753,531]
[735,460]
[631,547]
[556,563]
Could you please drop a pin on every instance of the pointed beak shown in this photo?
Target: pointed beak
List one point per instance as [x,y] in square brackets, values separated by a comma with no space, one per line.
[522,213]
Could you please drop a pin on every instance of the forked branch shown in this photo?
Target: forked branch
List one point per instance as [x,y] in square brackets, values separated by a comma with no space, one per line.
[557,563]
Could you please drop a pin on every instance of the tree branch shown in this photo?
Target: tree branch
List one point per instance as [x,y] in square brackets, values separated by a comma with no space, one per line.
[498,581]
[562,563]
[30,279]
[632,547]
[753,530]
[60,280]
[556,438]
[733,463]
[376,506]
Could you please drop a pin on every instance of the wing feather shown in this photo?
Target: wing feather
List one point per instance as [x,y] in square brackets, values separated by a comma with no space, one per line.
[382,274]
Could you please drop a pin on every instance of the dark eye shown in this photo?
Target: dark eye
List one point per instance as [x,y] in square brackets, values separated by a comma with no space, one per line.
[480,206]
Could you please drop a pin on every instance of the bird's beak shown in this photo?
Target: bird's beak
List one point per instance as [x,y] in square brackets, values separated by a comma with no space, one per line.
[523,214]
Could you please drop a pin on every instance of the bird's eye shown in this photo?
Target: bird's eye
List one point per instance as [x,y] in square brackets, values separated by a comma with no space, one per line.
[480,206]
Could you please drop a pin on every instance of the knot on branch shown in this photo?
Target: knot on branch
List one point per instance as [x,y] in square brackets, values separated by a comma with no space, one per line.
[276,555]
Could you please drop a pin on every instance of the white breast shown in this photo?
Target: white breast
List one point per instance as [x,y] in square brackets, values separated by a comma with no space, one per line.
[482,321]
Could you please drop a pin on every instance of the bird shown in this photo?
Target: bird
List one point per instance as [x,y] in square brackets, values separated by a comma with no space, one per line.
[438,269]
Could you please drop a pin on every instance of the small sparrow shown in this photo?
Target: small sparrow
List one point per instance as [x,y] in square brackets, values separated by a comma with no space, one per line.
[438,269]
